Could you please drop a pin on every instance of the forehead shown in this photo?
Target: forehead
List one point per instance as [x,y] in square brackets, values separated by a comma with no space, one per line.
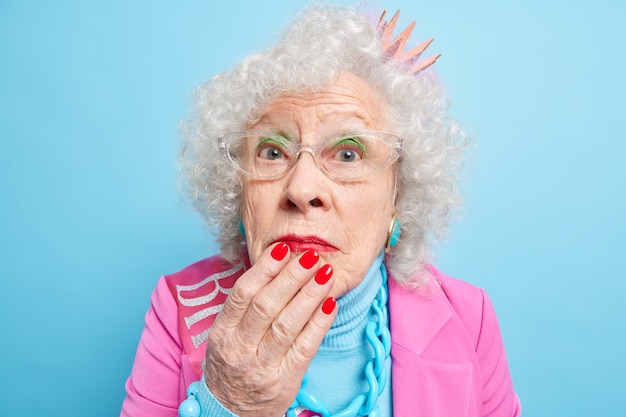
[349,103]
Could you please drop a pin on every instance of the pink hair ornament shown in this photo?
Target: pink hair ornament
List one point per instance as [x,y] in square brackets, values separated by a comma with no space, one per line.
[395,48]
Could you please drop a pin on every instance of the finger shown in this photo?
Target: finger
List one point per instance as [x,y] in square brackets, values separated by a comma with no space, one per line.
[307,343]
[289,323]
[267,267]
[274,297]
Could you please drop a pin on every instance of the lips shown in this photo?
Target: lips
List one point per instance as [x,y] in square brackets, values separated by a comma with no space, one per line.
[300,244]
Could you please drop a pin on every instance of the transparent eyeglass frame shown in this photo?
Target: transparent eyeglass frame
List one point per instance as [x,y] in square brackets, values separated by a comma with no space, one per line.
[230,147]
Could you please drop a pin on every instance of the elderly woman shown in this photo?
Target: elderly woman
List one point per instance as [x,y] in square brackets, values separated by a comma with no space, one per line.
[326,163]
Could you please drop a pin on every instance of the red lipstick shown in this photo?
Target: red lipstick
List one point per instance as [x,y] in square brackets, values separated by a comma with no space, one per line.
[298,243]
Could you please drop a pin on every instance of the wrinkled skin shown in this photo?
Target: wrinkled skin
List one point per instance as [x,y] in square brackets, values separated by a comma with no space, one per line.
[262,343]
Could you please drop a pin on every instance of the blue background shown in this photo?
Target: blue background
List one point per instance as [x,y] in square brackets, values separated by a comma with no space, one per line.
[91,215]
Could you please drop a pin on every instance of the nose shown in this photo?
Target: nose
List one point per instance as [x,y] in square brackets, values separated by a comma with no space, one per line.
[306,186]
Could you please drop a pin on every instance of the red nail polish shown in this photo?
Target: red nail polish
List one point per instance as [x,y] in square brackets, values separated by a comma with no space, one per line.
[309,259]
[280,251]
[324,274]
[329,305]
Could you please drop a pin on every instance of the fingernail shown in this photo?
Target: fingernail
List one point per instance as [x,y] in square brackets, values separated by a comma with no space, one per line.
[324,274]
[329,305]
[280,251]
[309,259]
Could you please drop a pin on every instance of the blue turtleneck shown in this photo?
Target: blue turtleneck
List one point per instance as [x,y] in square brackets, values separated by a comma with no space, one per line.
[336,373]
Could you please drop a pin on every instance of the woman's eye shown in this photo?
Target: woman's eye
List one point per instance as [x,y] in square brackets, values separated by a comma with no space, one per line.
[349,150]
[347,155]
[271,149]
[271,153]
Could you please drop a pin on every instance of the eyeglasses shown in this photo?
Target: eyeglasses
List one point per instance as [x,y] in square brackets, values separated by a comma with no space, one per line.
[345,157]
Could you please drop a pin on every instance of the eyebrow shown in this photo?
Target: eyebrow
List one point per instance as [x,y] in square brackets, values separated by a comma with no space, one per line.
[282,134]
[277,136]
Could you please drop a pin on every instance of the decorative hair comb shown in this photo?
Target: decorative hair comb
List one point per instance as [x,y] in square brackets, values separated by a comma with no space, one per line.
[395,48]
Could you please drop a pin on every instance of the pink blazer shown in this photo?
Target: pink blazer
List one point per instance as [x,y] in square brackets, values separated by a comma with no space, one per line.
[448,358]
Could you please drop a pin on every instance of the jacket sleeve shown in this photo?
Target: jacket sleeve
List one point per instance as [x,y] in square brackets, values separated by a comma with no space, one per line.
[153,388]
[156,386]
[499,398]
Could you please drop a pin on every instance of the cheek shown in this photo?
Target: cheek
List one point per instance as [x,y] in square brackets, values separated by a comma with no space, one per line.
[385,207]
[370,214]
[259,207]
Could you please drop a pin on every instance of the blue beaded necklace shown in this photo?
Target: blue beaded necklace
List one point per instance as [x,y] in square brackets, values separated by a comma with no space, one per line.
[376,373]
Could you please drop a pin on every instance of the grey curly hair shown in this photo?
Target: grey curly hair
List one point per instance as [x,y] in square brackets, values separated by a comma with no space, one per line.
[322,42]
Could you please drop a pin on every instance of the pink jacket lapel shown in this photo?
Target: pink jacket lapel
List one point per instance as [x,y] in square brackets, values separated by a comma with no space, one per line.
[432,370]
